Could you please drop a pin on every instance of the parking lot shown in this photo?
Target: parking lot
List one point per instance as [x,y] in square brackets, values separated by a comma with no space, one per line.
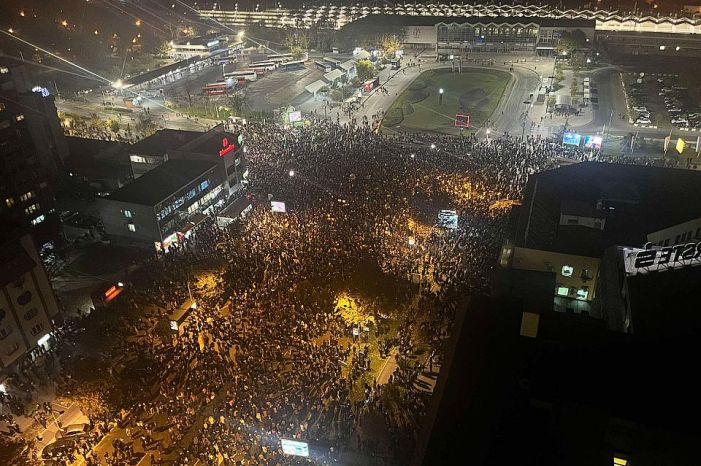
[659,100]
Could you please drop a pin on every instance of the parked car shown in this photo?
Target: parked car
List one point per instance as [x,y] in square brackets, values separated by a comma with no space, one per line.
[643,121]
[73,431]
[640,109]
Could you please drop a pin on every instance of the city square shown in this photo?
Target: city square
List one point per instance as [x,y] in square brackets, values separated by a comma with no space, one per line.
[357,235]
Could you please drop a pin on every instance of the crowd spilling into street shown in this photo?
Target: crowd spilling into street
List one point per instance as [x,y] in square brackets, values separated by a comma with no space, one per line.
[268,353]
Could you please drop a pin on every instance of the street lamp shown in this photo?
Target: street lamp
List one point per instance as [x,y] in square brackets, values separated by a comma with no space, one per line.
[118,84]
[292,173]
[440,96]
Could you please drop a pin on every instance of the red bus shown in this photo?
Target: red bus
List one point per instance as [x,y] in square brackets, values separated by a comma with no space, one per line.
[215,89]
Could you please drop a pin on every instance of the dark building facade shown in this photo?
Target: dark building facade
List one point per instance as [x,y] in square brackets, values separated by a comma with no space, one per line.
[31,150]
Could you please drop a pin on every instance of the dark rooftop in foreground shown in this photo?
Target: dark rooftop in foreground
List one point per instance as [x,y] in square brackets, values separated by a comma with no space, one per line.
[164,140]
[635,200]
[159,183]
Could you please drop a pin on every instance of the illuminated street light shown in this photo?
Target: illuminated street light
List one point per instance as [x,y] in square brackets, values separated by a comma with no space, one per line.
[21,13]
[292,173]
[11,31]
[588,60]
[118,84]
[412,241]
[120,284]
[138,22]
[678,48]
[440,90]
[433,146]
[240,34]
[64,23]
[95,32]
[488,131]
[662,47]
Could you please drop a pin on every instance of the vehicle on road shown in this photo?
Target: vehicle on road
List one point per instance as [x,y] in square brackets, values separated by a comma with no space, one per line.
[73,431]
[640,109]
[215,89]
[292,65]
[246,75]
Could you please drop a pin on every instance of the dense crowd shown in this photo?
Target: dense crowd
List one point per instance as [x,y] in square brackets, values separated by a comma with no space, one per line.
[268,353]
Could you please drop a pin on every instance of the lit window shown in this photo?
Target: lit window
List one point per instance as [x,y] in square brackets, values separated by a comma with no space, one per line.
[26,196]
[38,220]
[563,291]
[32,208]
[567,270]
[583,293]
[131,227]
[19,117]
[4,70]
[2,106]
[618,461]
[128,213]
[10,202]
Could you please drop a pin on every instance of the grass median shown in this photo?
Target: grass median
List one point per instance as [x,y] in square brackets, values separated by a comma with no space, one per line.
[475,92]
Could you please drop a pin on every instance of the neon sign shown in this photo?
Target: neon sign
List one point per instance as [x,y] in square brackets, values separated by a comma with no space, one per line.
[226,147]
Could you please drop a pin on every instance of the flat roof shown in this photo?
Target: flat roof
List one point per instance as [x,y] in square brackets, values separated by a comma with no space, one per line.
[210,142]
[159,183]
[163,140]
[636,200]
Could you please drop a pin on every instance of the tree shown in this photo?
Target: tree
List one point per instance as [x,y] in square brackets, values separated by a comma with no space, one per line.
[297,41]
[237,102]
[389,44]
[365,69]
[163,49]
[570,42]
[113,125]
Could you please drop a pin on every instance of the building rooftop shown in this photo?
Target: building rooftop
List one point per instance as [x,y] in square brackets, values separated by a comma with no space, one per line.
[635,200]
[408,21]
[162,141]
[159,183]
[211,142]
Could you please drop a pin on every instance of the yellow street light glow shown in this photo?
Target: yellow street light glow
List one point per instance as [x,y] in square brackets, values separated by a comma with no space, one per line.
[11,31]
[138,22]
[95,32]
[21,13]
[64,23]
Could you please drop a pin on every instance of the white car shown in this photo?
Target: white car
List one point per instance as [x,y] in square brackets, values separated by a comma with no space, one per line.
[640,109]
[680,121]
[643,121]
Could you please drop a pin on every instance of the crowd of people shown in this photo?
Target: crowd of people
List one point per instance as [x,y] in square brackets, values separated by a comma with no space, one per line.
[266,354]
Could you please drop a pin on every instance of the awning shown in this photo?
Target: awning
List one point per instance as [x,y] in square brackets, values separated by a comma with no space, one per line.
[333,76]
[315,87]
[234,209]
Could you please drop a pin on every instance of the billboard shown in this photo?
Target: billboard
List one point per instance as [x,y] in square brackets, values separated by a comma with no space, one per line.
[278,206]
[448,219]
[295,448]
[295,116]
[593,142]
[462,121]
[572,139]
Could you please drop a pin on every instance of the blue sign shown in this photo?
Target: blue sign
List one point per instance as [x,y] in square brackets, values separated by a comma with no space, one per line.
[572,139]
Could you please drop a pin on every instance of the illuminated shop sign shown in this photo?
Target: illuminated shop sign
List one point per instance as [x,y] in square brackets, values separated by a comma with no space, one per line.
[649,259]
[227,146]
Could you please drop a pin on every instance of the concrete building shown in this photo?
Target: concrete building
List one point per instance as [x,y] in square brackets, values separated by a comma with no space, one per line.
[32,151]
[191,47]
[27,302]
[162,207]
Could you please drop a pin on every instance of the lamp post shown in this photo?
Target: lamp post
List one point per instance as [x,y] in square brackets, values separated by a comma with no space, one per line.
[440,96]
